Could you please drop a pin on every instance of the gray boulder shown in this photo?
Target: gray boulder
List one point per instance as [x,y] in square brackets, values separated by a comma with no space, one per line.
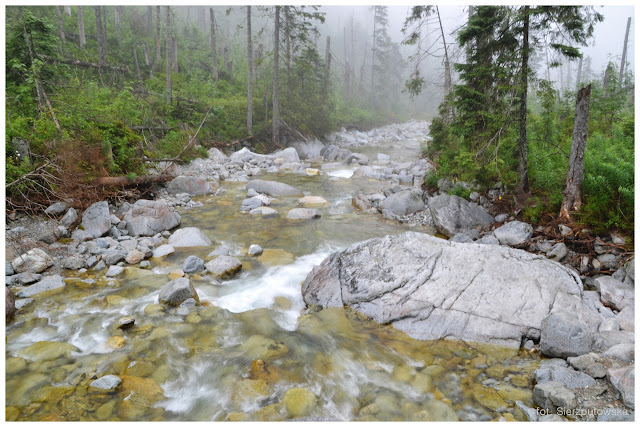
[177,291]
[114,270]
[8,269]
[264,211]
[96,220]
[614,293]
[302,214]
[513,233]
[69,218]
[32,261]
[432,289]
[403,203]
[192,264]
[330,152]
[47,284]
[246,155]
[569,377]
[289,154]
[558,252]
[224,266]
[453,214]
[56,209]
[189,237]
[255,250]
[273,188]
[565,335]
[551,395]
[150,217]
[194,185]
[623,380]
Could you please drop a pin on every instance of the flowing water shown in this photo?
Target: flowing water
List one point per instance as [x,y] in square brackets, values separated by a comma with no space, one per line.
[250,351]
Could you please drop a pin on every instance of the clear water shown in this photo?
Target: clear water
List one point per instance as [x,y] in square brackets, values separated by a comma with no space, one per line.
[236,356]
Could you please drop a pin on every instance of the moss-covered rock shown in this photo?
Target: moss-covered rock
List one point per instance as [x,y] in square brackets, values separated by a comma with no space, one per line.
[260,347]
[47,350]
[299,401]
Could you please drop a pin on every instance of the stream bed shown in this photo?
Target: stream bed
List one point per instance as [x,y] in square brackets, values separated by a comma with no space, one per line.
[251,351]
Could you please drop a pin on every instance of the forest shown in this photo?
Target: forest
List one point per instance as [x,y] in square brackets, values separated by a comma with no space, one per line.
[99,91]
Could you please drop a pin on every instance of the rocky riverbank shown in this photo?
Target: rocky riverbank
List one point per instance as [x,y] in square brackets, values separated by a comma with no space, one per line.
[478,287]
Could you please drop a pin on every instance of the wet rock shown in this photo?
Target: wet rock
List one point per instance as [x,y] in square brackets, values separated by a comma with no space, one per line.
[153,310]
[24,278]
[107,382]
[192,264]
[34,261]
[47,284]
[513,233]
[250,390]
[623,380]
[224,266]
[260,347]
[23,302]
[134,257]
[303,214]
[251,203]
[193,185]
[8,269]
[564,335]
[177,291]
[56,209]
[255,250]
[453,214]
[150,217]
[176,274]
[163,250]
[529,413]
[125,323]
[189,237]
[429,288]
[47,350]
[615,293]
[273,188]
[299,401]
[312,201]
[403,203]
[96,219]
[364,171]
[264,211]
[114,270]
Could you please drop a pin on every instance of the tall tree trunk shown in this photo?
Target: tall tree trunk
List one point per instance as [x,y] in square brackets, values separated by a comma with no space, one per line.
[149,19]
[623,62]
[83,39]
[275,122]
[373,52]
[225,58]
[546,52]
[607,77]
[101,53]
[579,75]
[67,10]
[135,61]
[469,46]
[250,71]
[561,76]
[524,80]
[105,36]
[346,65]
[167,53]
[147,59]
[60,25]
[569,75]
[214,47]
[573,187]
[364,60]
[447,71]
[287,38]
[327,69]
[174,54]
[116,16]
[158,43]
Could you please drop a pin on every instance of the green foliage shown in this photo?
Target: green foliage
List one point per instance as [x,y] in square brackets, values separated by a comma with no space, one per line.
[608,185]
[460,191]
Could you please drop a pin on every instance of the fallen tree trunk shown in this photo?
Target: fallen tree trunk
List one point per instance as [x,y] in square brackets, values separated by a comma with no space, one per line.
[124,181]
